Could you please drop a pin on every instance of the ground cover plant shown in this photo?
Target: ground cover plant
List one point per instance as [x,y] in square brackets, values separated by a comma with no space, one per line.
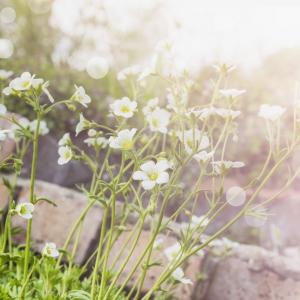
[139,158]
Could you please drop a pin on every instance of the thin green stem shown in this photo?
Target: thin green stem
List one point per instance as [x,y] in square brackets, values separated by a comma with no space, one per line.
[31,197]
[99,251]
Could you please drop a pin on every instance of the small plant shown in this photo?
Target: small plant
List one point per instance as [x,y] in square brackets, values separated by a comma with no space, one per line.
[141,159]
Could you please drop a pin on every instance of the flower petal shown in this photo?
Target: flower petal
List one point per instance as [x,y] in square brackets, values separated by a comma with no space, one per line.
[162,178]
[148,185]
[148,166]
[139,175]
[162,165]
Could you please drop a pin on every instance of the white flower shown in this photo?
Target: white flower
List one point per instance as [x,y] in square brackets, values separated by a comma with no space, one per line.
[150,106]
[3,109]
[82,125]
[81,97]
[228,113]
[178,101]
[178,275]
[193,140]
[50,250]
[43,130]
[65,140]
[25,82]
[221,166]
[65,155]
[203,156]
[201,221]
[271,112]
[159,120]
[202,113]
[15,129]
[152,173]
[5,74]
[224,243]
[124,107]
[92,132]
[173,251]
[7,91]
[236,196]
[25,210]
[96,141]
[128,72]
[123,140]
[37,82]
[232,93]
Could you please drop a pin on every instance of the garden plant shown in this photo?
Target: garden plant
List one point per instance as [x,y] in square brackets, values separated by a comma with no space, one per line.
[140,160]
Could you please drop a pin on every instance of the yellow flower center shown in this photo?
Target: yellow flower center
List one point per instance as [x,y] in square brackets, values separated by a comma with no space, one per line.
[23,210]
[153,176]
[125,109]
[26,84]
[67,154]
[155,122]
[127,144]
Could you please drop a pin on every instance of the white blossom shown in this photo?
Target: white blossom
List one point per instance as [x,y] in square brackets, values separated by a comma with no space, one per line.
[50,250]
[65,140]
[202,113]
[228,113]
[232,93]
[82,124]
[65,155]
[271,112]
[123,107]
[7,91]
[96,141]
[193,140]
[151,105]
[43,130]
[14,129]
[123,140]
[152,173]
[173,251]
[159,120]
[203,156]
[25,210]
[178,101]
[224,243]
[220,166]
[178,275]
[81,96]
[201,221]
[4,74]
[25,82]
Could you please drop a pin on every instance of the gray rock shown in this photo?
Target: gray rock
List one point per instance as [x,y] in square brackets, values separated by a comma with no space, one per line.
[250,272]
[68,175]
[53,224]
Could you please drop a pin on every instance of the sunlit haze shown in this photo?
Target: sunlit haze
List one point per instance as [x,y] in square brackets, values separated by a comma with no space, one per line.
[202,31]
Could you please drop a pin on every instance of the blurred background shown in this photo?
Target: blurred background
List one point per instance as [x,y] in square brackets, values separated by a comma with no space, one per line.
[87,42]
